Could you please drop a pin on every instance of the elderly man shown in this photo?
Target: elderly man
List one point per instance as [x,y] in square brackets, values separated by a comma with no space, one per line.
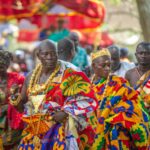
[123,124]
[58,103]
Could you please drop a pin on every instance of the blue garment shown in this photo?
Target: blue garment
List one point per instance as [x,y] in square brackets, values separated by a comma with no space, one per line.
[80,59]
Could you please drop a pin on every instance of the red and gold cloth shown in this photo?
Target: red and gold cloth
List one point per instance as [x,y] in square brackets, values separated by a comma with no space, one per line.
[13,115]
[19,8]
[11,124]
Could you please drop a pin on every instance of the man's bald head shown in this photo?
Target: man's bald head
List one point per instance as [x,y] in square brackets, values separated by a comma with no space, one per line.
[47,54]
[66,49]
[47,44]
[73,36]
[114,50]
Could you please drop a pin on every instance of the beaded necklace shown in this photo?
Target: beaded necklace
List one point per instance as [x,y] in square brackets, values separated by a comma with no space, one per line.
[33,91]
[35,77]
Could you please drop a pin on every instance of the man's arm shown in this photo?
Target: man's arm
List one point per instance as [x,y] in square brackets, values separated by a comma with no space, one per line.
[127,76]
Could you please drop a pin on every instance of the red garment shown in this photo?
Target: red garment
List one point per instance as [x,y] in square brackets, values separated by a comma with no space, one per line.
[14,117]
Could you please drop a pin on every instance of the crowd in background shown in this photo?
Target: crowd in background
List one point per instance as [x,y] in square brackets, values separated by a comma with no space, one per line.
[25,59]
[111,85]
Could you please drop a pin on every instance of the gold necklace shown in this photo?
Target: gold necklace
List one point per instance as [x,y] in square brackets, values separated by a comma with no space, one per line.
[34,78]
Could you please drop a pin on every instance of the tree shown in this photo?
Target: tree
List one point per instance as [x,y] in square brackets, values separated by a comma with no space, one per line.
[122,22]
[144,14]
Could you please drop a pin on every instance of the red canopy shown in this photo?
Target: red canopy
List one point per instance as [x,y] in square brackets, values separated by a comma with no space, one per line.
[95,38]
[83,15]
[18,8]
[91,8]
[79,14]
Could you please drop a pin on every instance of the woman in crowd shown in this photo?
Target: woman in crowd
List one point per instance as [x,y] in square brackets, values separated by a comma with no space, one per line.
[58,103]
[10,119]
[123,124]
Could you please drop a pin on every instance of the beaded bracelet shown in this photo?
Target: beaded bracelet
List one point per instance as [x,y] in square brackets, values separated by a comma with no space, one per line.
[16,101]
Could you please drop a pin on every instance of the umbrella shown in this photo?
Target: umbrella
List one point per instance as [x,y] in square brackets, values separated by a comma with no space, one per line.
[79,14]
[10,9]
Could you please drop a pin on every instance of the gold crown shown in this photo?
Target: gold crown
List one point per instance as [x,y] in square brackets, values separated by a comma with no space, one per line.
[100,53]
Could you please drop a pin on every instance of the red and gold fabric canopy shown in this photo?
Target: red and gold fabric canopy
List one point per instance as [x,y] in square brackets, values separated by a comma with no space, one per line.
[79,14]
[91,8]
[83,15]
[10,9]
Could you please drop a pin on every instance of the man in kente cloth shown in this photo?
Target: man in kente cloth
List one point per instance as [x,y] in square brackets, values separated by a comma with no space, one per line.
[58,102]
[123,124]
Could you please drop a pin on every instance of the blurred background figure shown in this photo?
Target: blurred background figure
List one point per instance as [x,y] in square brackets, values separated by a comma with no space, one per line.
[43,34]
[124,52]
[10,119]
[4,40]
[118,67]
[88,70]
[89,49]
[23,62]
[14,67]
[60,33]
[66,52]
[80,59]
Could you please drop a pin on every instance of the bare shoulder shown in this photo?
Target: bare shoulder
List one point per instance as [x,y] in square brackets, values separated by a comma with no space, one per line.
[131,71]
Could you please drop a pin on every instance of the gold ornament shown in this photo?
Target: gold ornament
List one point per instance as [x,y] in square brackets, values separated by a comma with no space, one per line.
[1,143]
[37,143]
[100,53]
[34,89]
[16,101]
[36,101]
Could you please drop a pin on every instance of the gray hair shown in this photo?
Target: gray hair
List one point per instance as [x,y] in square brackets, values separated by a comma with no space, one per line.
[47,44]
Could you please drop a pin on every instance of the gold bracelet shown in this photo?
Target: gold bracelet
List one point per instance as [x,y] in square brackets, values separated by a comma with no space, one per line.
[15,102]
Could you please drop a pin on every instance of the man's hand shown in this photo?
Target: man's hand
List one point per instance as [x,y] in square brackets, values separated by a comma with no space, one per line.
[14,89]
[60,116]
